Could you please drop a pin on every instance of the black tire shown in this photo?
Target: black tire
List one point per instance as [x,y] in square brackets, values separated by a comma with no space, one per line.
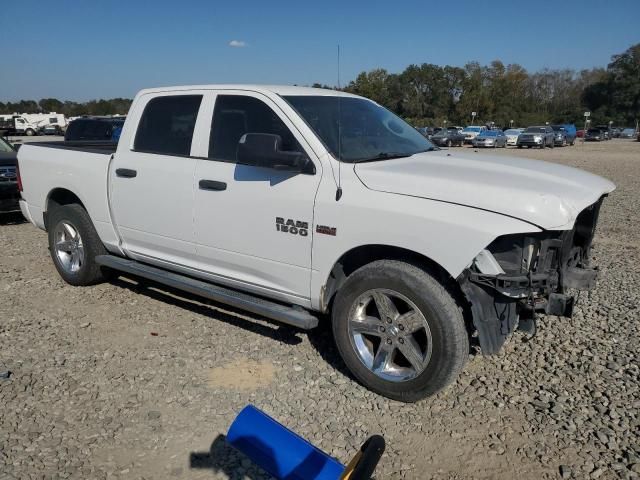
[449,143]
[450,341]
[30,132]
[88,271]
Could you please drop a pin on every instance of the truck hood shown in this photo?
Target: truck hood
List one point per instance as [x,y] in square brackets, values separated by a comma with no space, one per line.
[545,194]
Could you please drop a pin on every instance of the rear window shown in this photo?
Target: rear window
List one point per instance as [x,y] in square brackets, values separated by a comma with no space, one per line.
[88,130]
[167,124]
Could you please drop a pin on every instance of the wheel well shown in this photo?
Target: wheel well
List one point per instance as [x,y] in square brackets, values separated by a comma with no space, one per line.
[60,196]
[365,254]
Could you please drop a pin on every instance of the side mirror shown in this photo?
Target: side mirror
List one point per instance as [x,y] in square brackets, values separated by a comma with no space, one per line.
[264,150]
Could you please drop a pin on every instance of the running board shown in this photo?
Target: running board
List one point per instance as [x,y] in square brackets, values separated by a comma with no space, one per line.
[296,316]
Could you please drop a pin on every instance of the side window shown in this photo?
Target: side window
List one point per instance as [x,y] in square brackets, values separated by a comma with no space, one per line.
[167,123]
[235,115]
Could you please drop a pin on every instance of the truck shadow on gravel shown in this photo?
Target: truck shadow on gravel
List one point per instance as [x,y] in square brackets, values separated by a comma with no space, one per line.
[12,218]
[200,306]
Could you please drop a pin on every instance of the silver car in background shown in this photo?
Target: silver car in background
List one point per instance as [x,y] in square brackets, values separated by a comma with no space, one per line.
[512,135]
[539,136]
[490,138]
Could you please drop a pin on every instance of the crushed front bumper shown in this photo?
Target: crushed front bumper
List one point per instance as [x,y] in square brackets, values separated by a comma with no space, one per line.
[530,274]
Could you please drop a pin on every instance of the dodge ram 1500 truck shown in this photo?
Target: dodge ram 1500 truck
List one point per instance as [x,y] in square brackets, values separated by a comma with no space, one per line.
[288,202]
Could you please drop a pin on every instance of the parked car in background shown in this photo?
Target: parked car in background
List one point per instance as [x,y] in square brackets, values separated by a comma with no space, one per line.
[490,138]
[569,130]
[606,131]
[580,133]
[615,132]
[471,132]
[51,129]
[628,133]
[594,135]
[512,135]
[9,193]
[559,136]
[450,137]
[100,129]
[539,136]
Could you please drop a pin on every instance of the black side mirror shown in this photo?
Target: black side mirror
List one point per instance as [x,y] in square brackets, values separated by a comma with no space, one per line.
[264,150]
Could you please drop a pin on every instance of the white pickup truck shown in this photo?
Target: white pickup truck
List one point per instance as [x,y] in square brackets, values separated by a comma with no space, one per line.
[288,202]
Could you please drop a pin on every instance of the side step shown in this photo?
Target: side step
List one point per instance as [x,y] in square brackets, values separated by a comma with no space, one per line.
[295,316]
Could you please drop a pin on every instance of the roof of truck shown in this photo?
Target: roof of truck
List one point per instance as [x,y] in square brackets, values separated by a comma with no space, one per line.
[277,89]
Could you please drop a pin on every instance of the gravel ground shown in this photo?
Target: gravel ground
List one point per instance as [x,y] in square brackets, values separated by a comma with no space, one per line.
[123,380]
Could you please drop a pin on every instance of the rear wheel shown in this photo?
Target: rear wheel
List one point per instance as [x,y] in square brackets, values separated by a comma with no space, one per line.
[74,244]
[399,331]
[449,143]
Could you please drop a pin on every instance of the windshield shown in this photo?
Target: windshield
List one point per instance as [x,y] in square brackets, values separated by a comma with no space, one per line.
[512,132]
[5,147]
[367,130]
[471,129]
[489,133]
[536,130]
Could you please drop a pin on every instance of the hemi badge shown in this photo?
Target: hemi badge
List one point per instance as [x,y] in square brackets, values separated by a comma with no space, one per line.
[326,230]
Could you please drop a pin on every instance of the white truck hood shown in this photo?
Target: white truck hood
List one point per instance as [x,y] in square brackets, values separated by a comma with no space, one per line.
[545,194]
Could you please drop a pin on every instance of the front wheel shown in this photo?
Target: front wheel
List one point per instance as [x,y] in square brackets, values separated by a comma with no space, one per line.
[30,132]
[399,331]
[74,244]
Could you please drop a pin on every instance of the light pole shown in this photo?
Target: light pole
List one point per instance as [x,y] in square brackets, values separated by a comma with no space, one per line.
[586,122]
[473,117]
[445,124]
[510,123]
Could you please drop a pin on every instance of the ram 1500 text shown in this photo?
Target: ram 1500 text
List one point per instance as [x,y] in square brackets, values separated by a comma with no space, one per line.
[289,201]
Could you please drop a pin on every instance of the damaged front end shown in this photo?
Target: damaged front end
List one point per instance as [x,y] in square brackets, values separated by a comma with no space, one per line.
[520,275]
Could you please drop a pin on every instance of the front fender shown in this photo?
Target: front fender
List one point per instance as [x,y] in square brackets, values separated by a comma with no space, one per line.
[448,234]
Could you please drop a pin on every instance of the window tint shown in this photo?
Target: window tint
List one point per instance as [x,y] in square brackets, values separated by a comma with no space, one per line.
[235,115]
[167,125]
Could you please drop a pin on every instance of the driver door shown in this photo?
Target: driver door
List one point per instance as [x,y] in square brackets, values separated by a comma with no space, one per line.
[253,224]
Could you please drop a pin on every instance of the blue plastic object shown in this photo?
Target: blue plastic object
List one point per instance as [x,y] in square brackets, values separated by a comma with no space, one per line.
[278,450]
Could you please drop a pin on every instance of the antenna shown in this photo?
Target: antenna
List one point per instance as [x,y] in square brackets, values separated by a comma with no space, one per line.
[339,190]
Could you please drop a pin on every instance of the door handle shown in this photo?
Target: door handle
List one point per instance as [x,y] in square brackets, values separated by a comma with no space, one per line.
[126,173]
[212,185]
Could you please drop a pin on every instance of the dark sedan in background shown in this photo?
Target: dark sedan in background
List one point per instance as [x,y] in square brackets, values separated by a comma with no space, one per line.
[594,135]
[9,194]
[448,138]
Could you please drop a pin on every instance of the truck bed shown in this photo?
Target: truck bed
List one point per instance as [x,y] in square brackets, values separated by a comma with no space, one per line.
[80,168]
[106,148]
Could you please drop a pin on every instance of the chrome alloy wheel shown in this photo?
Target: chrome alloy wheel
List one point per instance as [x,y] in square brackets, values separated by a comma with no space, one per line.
[390,335]
[68,247]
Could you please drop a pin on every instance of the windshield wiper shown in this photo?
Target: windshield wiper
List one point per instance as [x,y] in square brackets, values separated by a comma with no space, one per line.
[390,156]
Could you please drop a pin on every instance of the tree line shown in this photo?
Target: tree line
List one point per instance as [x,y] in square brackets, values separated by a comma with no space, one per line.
[68,108]
[430,94]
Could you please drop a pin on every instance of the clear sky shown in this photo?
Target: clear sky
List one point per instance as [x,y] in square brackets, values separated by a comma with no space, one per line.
[85,49]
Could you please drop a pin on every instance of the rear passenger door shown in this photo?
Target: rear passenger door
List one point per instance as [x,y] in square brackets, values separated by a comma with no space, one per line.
[151,179]
[242,211]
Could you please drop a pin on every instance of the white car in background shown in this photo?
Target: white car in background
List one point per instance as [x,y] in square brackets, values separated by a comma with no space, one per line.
[471,132]
[512,135]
